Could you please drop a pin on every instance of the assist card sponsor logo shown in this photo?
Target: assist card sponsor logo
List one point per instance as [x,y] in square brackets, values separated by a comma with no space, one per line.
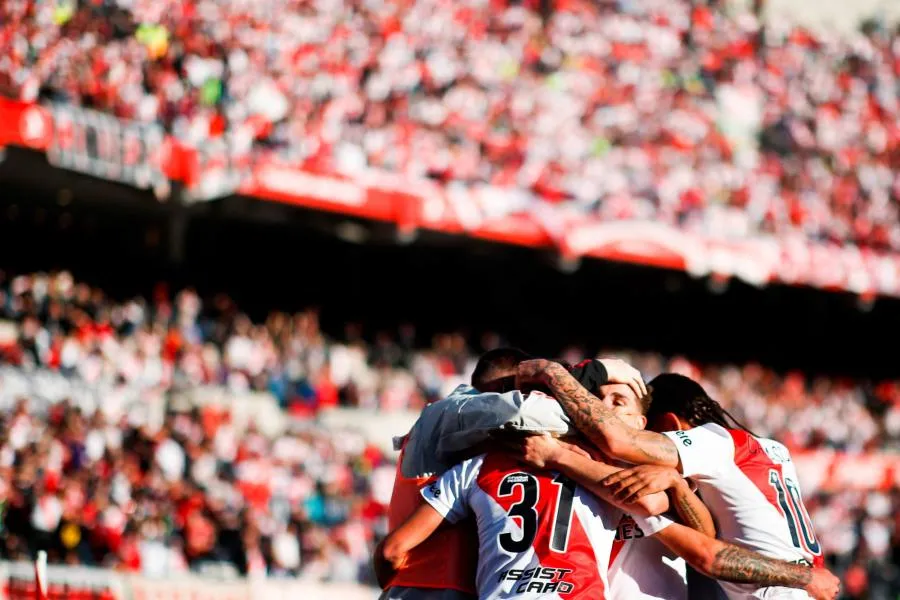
[541,580]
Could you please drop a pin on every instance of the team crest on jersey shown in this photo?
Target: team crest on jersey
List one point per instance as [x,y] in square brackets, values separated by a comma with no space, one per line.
[541,580]
[628,530]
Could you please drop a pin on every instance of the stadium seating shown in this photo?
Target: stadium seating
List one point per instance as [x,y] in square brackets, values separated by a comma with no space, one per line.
[147,435]
[168,435]
[648,109]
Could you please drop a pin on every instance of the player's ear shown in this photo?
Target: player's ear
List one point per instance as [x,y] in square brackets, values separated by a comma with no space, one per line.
[669,422]
[642,421]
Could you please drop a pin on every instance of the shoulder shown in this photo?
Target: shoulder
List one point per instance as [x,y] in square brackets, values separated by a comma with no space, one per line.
[730,437]
[705,450]
[464,399]
[499,462]
[463,390]
[715,429]
[457,478]
[462,393]
[777,451]
[472,464]
[703,435]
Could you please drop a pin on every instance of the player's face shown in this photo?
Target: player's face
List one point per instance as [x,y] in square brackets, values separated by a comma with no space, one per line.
[620,399]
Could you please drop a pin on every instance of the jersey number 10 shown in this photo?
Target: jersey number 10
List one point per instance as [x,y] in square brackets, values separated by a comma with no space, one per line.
[525,509]
[802,534]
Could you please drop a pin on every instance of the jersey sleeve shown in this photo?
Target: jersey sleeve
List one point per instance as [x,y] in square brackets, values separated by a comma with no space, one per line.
[652,525]
[704,451]
[471,416]
[450,493]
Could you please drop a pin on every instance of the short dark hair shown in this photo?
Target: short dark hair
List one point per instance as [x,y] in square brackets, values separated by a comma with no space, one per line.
[496,364]
[686,399]
[645,402]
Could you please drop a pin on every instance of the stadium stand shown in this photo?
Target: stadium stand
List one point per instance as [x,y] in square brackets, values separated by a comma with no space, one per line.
[150,441]
[632,110]
[98,475]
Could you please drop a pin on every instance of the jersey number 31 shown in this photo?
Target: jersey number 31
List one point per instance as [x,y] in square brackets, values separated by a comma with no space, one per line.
[525,510]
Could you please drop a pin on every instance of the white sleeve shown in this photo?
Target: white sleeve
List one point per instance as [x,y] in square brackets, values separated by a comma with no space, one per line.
[652,525]
[469,417]
[449,495]
[704,451]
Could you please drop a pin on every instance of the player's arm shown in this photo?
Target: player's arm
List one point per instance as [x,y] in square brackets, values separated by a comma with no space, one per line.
[703,452]
[390,555]
[727,562]
[598,423]
[629,485]
[690,508]
[445,500]
[542,451]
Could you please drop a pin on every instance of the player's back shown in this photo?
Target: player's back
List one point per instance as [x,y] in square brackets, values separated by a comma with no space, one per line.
[750,486]
[780,526]
[540,535]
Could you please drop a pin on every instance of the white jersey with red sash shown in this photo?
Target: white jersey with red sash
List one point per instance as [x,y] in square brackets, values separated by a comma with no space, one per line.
[540,535]
[750,486]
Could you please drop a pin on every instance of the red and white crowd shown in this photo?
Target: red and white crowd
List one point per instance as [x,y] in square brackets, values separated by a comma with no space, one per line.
[698,116]
[85,472]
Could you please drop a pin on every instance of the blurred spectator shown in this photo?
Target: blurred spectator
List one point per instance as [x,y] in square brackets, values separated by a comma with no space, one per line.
[698,116]
[95,480]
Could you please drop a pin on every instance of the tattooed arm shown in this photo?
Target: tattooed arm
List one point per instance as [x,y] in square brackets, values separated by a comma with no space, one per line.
[628,485]
[590,473]
[720,560]
[544,452]
[691,509]
[598,423]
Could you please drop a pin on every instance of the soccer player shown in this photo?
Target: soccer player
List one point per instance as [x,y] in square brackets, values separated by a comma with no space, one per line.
[749,484]
[444,569]
[711,557]
[543,536]
[643,566]
[653,567]
[540,535]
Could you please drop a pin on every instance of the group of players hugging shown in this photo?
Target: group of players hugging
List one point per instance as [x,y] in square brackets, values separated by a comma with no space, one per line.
[547,480]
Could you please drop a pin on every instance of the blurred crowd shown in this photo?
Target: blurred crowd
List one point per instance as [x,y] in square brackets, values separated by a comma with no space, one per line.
[696,114]
[191,495]
[99,483]
[142,347]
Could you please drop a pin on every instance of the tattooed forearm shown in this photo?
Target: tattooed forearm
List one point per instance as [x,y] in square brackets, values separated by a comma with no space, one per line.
[737,565]
[688,514]
[692,511]
[603,427]
[647,447]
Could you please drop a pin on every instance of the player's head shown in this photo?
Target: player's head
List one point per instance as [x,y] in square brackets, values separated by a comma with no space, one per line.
[678,402]
[496,369]
[621,399]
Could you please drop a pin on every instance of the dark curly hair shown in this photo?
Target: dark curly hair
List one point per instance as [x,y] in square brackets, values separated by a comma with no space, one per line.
[684,397]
